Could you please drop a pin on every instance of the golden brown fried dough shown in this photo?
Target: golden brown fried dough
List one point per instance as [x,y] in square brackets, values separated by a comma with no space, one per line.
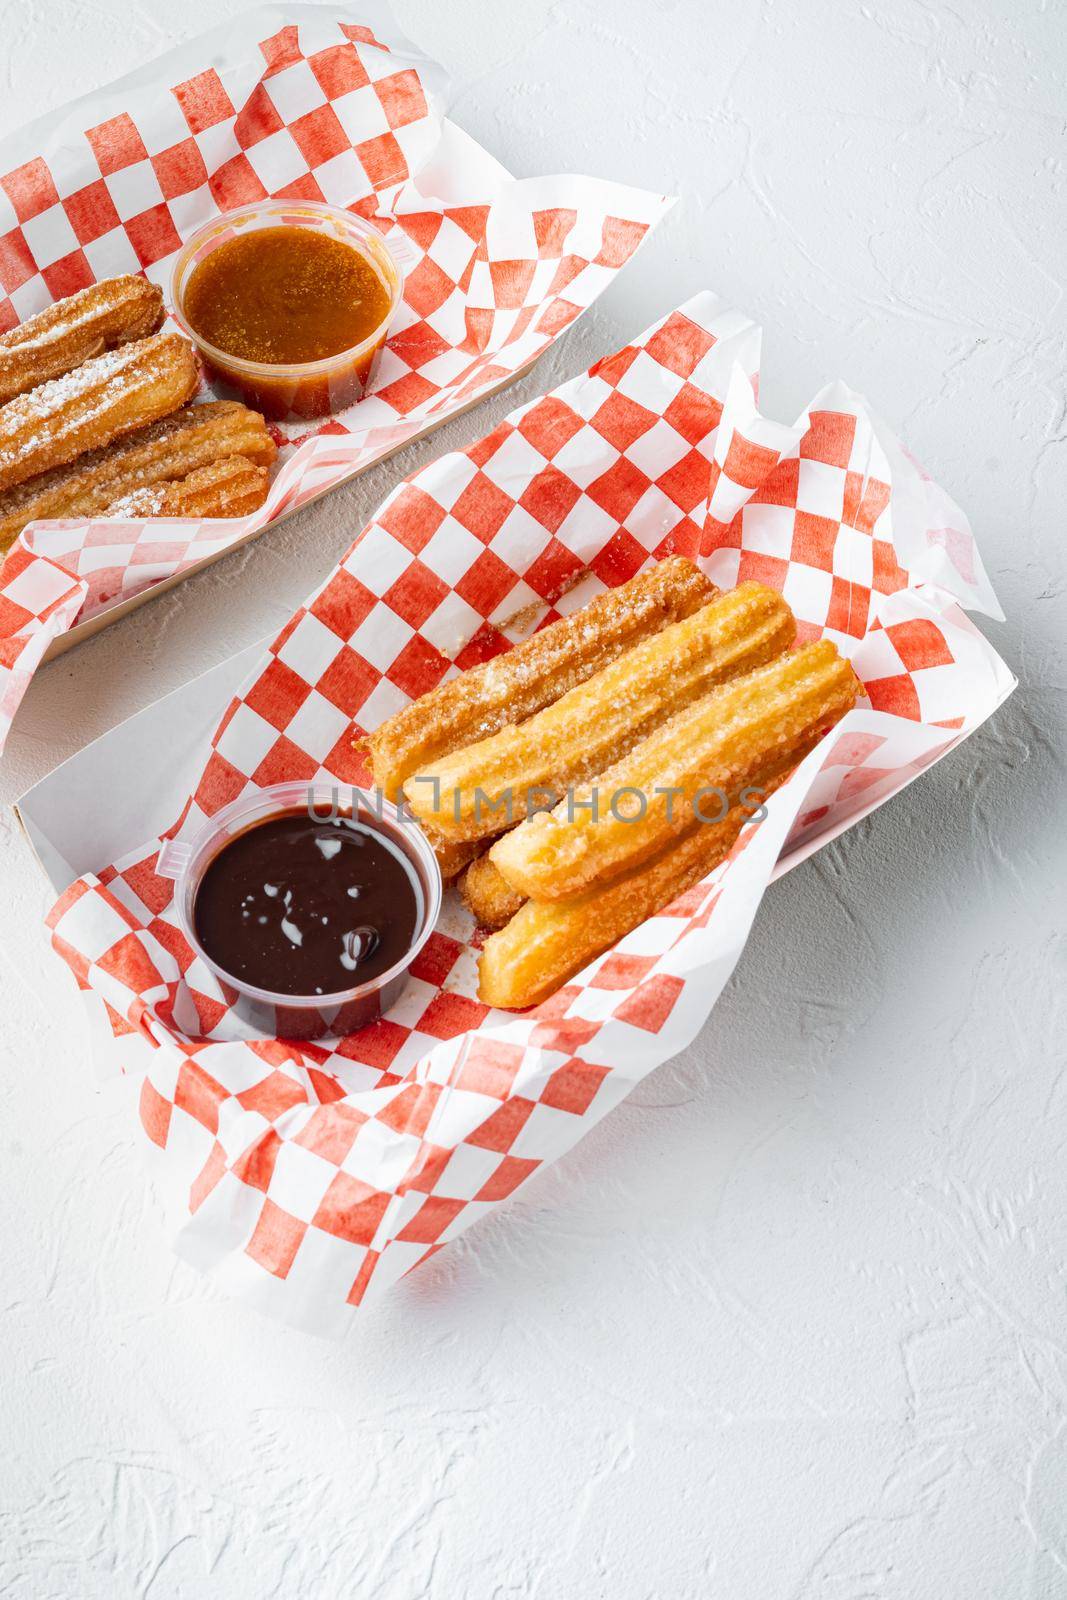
[232,487]
[168,449]
[106,397]
[529,677]
[491,901]
[451,858]
[477,791]
[64,335]
[680,772]
[545,943]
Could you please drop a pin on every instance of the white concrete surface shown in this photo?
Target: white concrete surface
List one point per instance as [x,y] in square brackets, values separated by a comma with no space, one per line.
[836,1367]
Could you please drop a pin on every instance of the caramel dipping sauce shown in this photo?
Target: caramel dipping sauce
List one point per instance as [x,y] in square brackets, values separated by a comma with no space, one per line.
[284,295]
[289,303]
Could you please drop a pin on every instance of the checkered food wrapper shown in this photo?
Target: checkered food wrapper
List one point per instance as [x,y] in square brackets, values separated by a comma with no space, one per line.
[310,1177]
[324,103]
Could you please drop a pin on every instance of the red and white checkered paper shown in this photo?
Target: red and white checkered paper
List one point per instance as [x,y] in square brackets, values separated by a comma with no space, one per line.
[312,1176]
[304,103]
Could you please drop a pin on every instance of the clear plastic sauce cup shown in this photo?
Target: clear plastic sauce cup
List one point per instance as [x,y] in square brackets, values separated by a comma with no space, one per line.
[290,1016]
[305,389]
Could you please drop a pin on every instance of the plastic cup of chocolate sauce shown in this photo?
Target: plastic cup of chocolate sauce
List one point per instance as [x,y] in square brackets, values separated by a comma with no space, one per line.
[285,892]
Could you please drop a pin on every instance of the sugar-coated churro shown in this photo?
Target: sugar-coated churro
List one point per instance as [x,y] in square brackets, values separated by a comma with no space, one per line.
[106,397]
[171,448]
[232,487]
[533,674]
[682,771]
[64,335]
[452,858]
[476,791]
[545,943]
[488,897]
[493,902]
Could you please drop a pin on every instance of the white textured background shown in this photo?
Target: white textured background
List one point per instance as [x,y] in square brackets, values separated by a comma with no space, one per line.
[791,1325]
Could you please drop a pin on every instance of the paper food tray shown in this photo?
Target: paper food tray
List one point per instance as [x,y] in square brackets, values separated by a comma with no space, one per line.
[305,103]
[310,1177]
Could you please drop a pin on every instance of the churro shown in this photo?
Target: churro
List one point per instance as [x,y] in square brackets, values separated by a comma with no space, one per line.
[493,902]
[108,396]
[171,448]
[476,791]
[487,895]
[545,943]
[689,768]
[532,675]
[232,487]
[451,858]
[64,335]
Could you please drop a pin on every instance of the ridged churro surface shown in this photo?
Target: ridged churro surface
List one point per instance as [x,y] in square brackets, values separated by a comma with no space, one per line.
[108,396]
[594,725]
[534,674]
[452,858]
[547,942]
[488,897]
[173,447]
[652,795]
[232,487]
[64,335]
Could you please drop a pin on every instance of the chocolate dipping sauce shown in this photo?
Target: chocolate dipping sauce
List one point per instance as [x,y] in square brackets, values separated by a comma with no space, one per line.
[302,906]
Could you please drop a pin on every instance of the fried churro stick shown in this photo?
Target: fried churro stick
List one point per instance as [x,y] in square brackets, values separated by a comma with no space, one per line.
[488,897]
[545,943]
[67,333]
[451,858]
[493,902]
[232,487]
[681,771]
[170,448]
[101,400]
[533,674]
[476,791]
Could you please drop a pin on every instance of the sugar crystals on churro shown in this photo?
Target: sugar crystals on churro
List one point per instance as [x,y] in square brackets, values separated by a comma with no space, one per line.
[661,691]
[95,419]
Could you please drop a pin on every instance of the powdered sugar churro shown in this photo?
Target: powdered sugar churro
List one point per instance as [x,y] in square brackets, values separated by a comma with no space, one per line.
[108,396]
[168,449]
[529,677]
[679,774]
[64,335]
[232,487]
[476,791]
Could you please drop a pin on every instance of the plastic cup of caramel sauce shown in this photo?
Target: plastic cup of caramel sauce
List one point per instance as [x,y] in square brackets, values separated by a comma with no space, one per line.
[297,897]
[289,302]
